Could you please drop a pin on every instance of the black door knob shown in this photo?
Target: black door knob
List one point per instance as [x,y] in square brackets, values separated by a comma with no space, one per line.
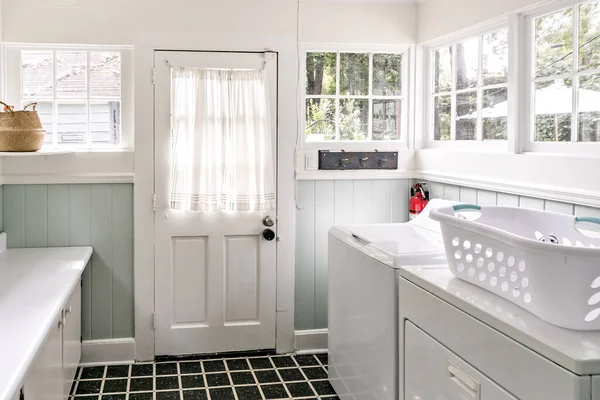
[268,234]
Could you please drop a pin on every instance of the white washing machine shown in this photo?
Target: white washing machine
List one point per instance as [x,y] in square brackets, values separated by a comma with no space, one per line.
[364,261]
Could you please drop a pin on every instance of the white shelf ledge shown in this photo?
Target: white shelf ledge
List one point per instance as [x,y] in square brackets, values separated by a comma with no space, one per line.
[34,153]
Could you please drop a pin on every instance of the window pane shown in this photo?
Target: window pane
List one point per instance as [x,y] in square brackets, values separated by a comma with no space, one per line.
[589,108]
[46,113]
[441,118]
[320,120]
[37,70]
[467,63]
[72,122]
[553,109]
[320,73]
[386,119]
[554,43]
[589,35]
[105,122]
[442,70]
[495,57]
[105,74]
[466,116]
[71,74]
[387,74]
[354,119]
[494,114]
[354,74]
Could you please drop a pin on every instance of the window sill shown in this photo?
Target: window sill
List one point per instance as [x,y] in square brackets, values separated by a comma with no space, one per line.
[68,167]
[40,153]
[52,152]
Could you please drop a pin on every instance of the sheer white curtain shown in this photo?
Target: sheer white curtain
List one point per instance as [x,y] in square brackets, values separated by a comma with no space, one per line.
[221,150]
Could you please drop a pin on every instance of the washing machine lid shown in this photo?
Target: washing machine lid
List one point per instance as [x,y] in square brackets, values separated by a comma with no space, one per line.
[399,239]
[416,242]
[395,245]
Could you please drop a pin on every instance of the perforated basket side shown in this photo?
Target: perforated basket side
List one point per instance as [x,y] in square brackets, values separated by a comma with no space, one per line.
[559,290]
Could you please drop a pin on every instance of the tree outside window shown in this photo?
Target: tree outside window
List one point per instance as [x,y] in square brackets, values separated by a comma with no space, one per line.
[470,88]
[353,96]
[567,75]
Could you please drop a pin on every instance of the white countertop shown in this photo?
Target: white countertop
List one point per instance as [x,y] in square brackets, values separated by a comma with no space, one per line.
[35,284]
[576,351]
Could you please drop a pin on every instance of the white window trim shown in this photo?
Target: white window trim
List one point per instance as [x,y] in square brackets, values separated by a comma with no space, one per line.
[12,87]
[427,92]
[520,88]
[527,40]
[366,145]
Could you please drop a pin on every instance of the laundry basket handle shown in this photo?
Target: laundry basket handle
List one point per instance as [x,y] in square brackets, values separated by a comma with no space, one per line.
[460,207]
[588,219]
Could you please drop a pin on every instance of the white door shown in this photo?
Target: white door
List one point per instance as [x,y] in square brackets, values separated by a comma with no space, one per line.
[215,271]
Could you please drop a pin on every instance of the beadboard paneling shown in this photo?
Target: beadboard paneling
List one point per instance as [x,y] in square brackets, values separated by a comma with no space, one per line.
[100,215]
[486,197]
[322,205]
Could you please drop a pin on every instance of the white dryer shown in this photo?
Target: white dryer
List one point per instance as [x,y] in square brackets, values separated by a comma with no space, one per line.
[364,261]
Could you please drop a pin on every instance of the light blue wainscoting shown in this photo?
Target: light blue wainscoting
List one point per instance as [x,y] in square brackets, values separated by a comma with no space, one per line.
[322,205]
[97,215]
[486,197]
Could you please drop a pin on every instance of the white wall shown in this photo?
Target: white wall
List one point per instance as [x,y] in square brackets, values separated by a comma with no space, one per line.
[118,22]
[440,17]
[69,21]
[353,22]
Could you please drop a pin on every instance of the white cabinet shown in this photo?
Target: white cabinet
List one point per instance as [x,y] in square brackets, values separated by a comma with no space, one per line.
[434,372]
[72,338]
[53,371]
[45,378]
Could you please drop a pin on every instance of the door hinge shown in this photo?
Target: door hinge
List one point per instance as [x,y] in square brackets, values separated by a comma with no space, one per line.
[154,321]
[154,75]
[154,202]
[80,339]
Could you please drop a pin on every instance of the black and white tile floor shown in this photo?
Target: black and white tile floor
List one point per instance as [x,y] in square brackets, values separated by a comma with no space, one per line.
[239,378]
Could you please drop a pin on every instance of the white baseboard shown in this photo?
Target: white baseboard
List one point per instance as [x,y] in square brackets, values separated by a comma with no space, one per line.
[311,341]
[107,352]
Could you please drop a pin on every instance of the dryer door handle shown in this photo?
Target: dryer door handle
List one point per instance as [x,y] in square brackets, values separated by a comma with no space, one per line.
[463,381]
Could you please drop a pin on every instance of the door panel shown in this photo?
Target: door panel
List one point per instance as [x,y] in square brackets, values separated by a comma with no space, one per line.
[241,277]
[215,275]
[189,270]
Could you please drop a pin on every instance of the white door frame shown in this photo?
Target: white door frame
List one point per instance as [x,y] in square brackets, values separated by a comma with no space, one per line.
[144,174]
[215,247]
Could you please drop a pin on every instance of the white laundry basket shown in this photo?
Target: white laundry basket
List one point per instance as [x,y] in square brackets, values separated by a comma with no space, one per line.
[547,263]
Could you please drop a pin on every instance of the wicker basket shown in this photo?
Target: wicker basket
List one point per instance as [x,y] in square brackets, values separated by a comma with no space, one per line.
[20,131]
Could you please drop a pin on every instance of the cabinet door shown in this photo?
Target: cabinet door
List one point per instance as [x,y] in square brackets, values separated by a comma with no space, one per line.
[72,338]
[434,372]
[45,378]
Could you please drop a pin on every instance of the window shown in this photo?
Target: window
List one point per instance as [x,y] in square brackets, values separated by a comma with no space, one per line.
[566,75]
[354,97]
[79,93]
[469,96]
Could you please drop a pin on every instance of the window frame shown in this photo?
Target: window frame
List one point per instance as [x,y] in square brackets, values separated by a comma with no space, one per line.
[528,88]
[477,31]
[369,144]
[12,90]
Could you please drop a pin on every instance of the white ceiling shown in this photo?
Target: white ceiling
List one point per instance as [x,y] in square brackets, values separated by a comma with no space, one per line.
[370,1]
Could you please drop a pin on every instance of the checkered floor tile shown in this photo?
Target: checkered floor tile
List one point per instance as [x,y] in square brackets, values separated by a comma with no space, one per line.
[243,378]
